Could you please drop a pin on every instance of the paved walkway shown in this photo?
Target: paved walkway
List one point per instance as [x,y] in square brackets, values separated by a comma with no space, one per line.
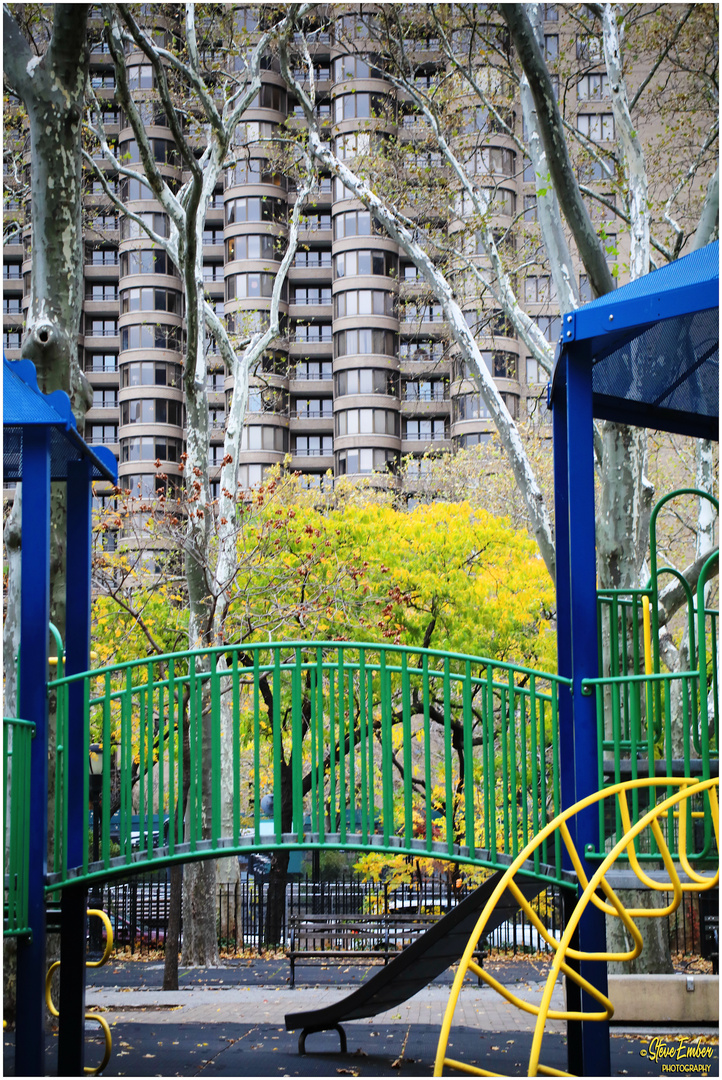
[231,1022]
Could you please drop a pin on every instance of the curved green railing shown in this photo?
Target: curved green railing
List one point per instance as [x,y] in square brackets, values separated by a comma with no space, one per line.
[368,747]
[17,736]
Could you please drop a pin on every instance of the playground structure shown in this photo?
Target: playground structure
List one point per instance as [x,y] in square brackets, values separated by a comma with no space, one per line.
[520,747]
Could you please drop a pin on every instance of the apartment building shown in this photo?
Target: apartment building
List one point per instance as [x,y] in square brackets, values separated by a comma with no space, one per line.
[364,373]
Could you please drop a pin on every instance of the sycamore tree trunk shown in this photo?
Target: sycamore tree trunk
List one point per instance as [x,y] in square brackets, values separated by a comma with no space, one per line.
[51,87]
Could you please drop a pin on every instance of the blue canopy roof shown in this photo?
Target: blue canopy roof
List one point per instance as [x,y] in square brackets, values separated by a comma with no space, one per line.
[654,348]
[24,405]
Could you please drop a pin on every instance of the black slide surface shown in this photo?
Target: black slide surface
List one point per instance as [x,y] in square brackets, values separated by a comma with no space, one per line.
[419,963]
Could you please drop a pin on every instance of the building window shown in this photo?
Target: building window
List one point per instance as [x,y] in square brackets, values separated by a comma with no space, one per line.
[590,48]
[539,289]
[264,437]
[316,257]
[367,422]
[313,445]
[424,390]
[598,127]
[426,430]
[151,300]
[101,361]
[368,341]
[151,411]
[311,332]
[470,407]
[149,261]
[148,448]
[550,326]
[149,336]
[105,399]
[311,294]
[101,433]
[101,327]
[150,373]
[585,289]
[357,263]
[312,408]
[367,381]
[245,286]
[308,370]
[551,46]
[593,87]
[366,460]
[356,223]
[254,208]
[364,302]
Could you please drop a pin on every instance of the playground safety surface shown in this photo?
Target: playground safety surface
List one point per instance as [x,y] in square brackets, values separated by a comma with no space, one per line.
[230,1022]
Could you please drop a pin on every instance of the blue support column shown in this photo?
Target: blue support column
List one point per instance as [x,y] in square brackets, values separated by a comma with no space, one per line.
[71,1040]
[33,705]
[583,640]
[575,1063]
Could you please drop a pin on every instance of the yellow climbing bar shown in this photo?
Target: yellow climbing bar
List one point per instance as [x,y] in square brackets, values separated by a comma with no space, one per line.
[687,789]
[88,1016]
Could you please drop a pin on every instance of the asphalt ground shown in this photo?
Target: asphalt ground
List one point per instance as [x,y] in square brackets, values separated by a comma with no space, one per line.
[229,1021]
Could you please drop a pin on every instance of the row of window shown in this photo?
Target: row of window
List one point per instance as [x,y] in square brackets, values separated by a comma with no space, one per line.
[152,411]
[150,447]
[255,208]
[365,302]
[367,421]
[151,300]
[164,151]
[261,246]
[243,286]
[356,223]
[358,263]
[151,336]
[150,261]
[149,373]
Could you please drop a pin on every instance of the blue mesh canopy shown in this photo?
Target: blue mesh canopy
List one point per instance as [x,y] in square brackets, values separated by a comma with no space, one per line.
[654,348]
[24,406]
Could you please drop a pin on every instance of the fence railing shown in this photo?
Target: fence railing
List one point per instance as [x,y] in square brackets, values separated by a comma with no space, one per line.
[366,747]
[139,911]
[17,737]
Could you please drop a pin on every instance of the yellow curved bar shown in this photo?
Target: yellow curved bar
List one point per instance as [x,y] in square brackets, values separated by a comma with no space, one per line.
[89,1071]
[687,788]
[108,938]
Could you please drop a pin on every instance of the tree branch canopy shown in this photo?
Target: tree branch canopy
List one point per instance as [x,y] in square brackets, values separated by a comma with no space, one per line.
[552,133]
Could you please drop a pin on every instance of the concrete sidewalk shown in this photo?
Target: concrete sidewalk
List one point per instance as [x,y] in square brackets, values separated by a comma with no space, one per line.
[231,1026]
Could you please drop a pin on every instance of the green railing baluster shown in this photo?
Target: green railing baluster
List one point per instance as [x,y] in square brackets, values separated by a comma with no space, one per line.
[448,758]
[314,773]
[351,755]
[371,769]
[332,757]
[297,747]
[469,794]
[524,702]
[277,778]
[406,749]
[387,748]
[506,793]
[256,749]
[173,825]
[236,749]
[556,778]
[194,722]
[535,708]
[364,737]
[215,749]
[427,752]
[513,779]
[105,803]
[490,772]
[321,811]
[342,727]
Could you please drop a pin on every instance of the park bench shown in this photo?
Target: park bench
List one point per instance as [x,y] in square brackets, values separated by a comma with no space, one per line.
[354,939]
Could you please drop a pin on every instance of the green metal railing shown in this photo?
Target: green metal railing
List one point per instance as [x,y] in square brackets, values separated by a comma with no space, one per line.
[364,747]
[651,721]
[17,737]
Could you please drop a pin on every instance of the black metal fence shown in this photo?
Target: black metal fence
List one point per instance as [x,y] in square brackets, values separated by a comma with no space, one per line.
[139,912]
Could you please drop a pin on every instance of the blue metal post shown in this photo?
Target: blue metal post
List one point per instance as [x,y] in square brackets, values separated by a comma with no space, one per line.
[584,651]
[575,1064]
[33,705]
[71,1041]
